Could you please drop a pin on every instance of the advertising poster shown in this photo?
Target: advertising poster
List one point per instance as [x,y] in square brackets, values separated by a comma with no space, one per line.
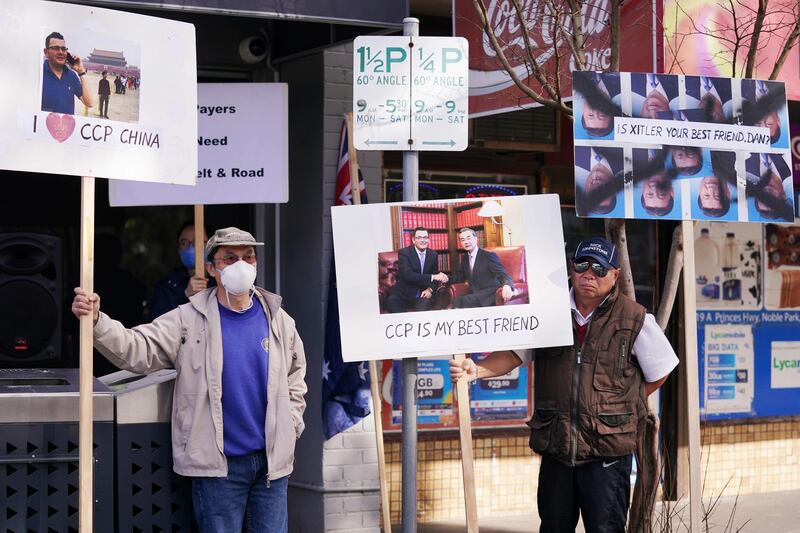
[451,276]
[239,160]
[728,369]
[785,368]
[95,92]
[697,37]
[670,147]
[795,144]
[748,316]
[501,401]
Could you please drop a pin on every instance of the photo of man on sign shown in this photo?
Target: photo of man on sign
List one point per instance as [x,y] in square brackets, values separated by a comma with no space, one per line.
[599,181]
[598,104]
[768,180]
[78,69]
[654,187]
[764,105]
[714,194]
[63,77]
[455,257]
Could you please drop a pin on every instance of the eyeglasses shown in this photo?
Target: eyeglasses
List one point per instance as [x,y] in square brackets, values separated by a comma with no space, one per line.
[597,269]
[58,48]
[229,259]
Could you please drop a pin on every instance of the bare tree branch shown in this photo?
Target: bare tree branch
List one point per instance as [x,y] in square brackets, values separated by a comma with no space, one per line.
[615,33]
[758,25]
[790,42]
[552,100]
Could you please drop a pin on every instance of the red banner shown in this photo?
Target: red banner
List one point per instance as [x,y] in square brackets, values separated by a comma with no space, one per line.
[492,89]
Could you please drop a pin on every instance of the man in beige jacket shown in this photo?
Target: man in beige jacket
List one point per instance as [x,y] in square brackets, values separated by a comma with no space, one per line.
[239,469]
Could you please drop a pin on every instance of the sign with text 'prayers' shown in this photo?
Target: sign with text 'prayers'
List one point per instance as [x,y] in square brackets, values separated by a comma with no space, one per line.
[243,150]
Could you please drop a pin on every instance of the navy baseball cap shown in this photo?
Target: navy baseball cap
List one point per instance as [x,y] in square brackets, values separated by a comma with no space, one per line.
[598,249]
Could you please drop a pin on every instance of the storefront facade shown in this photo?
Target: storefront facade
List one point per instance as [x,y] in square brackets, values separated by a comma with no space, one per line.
[334,486]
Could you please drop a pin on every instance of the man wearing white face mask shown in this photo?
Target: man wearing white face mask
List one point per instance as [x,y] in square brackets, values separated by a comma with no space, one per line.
[233,430]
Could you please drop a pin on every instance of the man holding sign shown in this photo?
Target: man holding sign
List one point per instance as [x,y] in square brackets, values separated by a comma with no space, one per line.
[233,430]
[590,398]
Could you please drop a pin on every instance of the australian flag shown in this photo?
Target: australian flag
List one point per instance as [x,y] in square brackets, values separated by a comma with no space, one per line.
[345,386]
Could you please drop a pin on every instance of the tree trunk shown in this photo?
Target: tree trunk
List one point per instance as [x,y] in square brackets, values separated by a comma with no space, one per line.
[615,231]
[672,279]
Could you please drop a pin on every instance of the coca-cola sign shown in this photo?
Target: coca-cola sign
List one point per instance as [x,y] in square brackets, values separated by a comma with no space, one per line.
[546,25]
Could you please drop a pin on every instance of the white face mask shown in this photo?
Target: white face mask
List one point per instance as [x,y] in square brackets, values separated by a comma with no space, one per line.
[238,278]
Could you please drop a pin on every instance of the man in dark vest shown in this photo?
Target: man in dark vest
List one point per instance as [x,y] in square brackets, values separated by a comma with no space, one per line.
[590,399]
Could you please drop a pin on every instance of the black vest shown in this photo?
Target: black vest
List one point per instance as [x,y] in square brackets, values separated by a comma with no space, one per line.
[589,400]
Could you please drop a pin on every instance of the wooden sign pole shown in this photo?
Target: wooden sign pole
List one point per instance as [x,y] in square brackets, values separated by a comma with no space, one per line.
[691,382]
[467,457]
[355,189]
[86,415]
[199,241]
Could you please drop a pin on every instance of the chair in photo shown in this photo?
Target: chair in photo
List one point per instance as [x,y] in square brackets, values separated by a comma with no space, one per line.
[513,260]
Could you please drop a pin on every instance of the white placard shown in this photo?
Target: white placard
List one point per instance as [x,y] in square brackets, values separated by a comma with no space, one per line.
[410,89]
[150,134]
[531,229]
[785,365]
[243,150]
[728,368]
[684,133]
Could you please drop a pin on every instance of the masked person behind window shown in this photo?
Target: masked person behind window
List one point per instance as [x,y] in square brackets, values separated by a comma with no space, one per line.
[239,391]
[181,284]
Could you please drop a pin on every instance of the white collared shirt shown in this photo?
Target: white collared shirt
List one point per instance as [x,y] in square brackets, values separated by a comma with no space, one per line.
[651,347]
[472,255]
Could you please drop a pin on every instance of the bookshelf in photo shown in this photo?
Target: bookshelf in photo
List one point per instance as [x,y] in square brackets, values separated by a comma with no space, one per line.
[443,221]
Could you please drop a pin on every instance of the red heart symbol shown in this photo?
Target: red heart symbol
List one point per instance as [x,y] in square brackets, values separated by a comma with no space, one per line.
[60,126]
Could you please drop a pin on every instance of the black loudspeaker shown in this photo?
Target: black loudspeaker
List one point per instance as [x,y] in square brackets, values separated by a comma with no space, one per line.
[30,300]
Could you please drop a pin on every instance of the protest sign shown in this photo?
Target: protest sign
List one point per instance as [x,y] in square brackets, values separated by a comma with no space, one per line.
[392,305]
[96,92]
[243,150]
[662,146]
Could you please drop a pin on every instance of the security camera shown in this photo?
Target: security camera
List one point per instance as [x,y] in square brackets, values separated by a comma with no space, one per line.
[253,49]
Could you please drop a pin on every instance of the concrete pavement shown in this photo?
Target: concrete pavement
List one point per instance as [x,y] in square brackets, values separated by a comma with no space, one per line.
[773,512]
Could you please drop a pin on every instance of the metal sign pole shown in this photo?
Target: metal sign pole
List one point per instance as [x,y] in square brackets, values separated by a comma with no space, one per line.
[410,193]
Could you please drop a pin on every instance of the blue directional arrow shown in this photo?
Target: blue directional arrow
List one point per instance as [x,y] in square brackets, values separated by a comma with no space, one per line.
[368,142]
[450,143]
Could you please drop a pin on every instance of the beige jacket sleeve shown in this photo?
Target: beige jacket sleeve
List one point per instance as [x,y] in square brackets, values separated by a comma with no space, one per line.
[142,349]
[297,383]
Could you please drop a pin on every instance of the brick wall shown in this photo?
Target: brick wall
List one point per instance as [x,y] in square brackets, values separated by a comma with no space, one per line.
[757,456]
[752,457]
[349,460]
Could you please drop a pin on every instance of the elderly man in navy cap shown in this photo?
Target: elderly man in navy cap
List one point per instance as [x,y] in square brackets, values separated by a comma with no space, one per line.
[590,398]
